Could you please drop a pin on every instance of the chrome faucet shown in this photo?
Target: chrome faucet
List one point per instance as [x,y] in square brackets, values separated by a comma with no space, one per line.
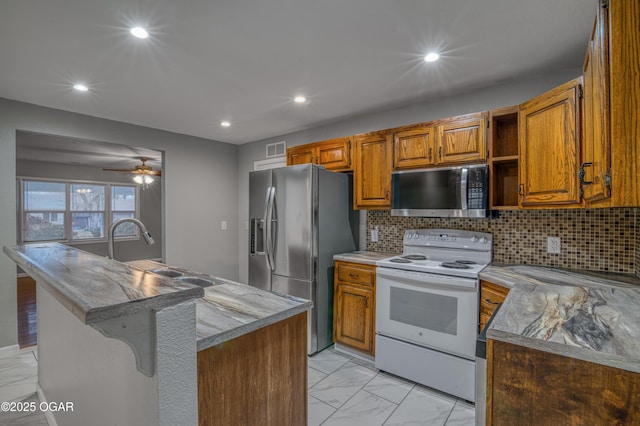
[143,229]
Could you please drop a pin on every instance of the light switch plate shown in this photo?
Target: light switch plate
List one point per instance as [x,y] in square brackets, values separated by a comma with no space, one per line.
[374,234]
[223,225]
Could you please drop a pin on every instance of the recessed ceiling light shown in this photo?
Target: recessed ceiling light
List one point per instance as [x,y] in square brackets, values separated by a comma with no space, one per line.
[300,99]
[139,32]
[431,57]
[80,87]
[225,124]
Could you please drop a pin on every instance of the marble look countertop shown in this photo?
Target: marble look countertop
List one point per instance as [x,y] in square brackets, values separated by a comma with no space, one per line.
[587,316]
[364,257]
[230,309]
[96,288]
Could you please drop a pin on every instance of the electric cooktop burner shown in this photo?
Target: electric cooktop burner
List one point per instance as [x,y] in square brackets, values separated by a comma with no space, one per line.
[415,257]
[400,260]
[466,262]
[455,265]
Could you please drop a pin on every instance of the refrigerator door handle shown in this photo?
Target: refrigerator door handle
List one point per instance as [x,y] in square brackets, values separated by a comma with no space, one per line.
[271,193]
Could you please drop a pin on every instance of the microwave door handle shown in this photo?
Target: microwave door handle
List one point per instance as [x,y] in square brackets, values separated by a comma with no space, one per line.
[463,188]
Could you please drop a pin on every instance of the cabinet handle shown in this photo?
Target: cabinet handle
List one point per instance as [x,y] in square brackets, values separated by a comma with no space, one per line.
[352,275]
[581,173]
[429,156]
[521,189]
[386,195]
[491,302]
[439,153]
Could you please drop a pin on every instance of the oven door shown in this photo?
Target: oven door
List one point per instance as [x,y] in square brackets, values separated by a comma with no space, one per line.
[435,311]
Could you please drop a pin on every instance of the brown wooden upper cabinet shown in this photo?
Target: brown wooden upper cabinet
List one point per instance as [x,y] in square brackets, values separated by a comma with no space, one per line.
[462,139]
[334,154]
[611,143]
[414,146]
[549,148]
[595,170]
[372,171]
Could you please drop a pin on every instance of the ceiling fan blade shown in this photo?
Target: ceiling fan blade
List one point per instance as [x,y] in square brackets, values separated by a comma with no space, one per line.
[119,170]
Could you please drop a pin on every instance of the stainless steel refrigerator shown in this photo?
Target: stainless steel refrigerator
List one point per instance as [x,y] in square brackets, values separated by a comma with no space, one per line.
[299,217]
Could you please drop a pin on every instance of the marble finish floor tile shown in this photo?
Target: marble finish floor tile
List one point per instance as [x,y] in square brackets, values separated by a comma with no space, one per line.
[314,376]
[389,387]
[463,414]
[25,418]
[317,411]
[338,387]
[19,360]
[422,407]
[328,361]
[18,390]
[363,408]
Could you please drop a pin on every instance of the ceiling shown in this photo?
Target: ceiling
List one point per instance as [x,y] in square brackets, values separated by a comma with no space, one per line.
[80,152]
[243,61]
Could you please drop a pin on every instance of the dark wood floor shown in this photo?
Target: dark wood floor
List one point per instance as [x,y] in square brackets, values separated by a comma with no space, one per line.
[26,312]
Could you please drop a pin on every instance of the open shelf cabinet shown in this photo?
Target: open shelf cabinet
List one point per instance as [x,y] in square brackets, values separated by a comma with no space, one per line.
[503,158]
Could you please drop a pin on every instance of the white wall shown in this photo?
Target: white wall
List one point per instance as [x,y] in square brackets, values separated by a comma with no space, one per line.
[507,94]
[200,190]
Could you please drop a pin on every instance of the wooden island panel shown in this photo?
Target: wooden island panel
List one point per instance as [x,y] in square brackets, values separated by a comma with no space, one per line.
[531,387]
[256,379]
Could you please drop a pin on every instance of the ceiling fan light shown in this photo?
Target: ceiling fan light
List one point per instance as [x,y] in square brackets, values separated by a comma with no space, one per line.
[138,179]
[148,179]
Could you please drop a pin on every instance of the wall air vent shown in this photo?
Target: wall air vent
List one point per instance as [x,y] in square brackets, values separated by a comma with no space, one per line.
[276,149]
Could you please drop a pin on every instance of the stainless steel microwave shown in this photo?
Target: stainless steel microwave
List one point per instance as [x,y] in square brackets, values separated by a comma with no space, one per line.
[440,192]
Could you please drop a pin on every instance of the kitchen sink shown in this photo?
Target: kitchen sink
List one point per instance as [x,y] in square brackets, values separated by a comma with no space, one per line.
[196,281]
[167,272]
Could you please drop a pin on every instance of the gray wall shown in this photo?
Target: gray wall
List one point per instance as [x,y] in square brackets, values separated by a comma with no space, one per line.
[150,205]
[507,94]
[200,190]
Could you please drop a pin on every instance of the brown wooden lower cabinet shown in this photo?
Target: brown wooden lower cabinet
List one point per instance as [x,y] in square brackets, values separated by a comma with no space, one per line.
[530,387]
[256,379]
[354,306]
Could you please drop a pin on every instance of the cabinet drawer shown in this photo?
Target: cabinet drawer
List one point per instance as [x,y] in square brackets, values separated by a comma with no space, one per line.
[356,274]
[491,296]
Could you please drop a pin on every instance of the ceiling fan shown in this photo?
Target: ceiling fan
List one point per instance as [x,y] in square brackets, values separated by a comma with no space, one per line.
[139,170]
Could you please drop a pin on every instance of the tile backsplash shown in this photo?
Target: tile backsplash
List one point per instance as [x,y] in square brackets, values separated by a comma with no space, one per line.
[592,239]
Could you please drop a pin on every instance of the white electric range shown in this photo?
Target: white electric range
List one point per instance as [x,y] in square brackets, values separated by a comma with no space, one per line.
[427,308]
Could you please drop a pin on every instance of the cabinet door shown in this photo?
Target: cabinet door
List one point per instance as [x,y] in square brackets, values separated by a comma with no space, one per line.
[353,316]
[549,147]
[335,154]
[303,154]
[414,148]
[372,171]
[596,140]
[462,139]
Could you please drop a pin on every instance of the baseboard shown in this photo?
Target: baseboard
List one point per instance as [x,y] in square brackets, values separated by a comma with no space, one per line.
[353,352]
[9,350]
[47,414]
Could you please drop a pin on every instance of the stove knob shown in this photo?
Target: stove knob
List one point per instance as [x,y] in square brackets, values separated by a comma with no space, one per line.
[416,236]
[484,240]
[474,239]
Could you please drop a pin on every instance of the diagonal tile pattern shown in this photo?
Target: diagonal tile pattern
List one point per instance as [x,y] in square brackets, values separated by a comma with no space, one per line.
[343,391]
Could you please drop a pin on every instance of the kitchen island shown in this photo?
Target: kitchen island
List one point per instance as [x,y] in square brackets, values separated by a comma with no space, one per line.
[128,346]
[564,348]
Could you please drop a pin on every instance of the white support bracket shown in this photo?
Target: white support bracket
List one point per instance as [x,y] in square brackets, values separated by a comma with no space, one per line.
[139,332]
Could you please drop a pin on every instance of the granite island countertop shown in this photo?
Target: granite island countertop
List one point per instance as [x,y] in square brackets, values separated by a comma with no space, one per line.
[584,315]
[95,288]
[364,257]
[230,309]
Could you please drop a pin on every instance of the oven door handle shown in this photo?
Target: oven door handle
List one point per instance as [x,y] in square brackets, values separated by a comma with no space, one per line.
[425,279]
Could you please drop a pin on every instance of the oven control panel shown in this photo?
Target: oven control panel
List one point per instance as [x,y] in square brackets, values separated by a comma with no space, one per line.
[447,237]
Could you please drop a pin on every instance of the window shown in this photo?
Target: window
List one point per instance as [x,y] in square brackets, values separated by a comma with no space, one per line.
[44,211]
[75,211]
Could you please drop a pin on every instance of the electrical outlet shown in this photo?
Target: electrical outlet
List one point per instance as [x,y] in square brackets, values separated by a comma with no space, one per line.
[223,225]
[553,245]
[374,234]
